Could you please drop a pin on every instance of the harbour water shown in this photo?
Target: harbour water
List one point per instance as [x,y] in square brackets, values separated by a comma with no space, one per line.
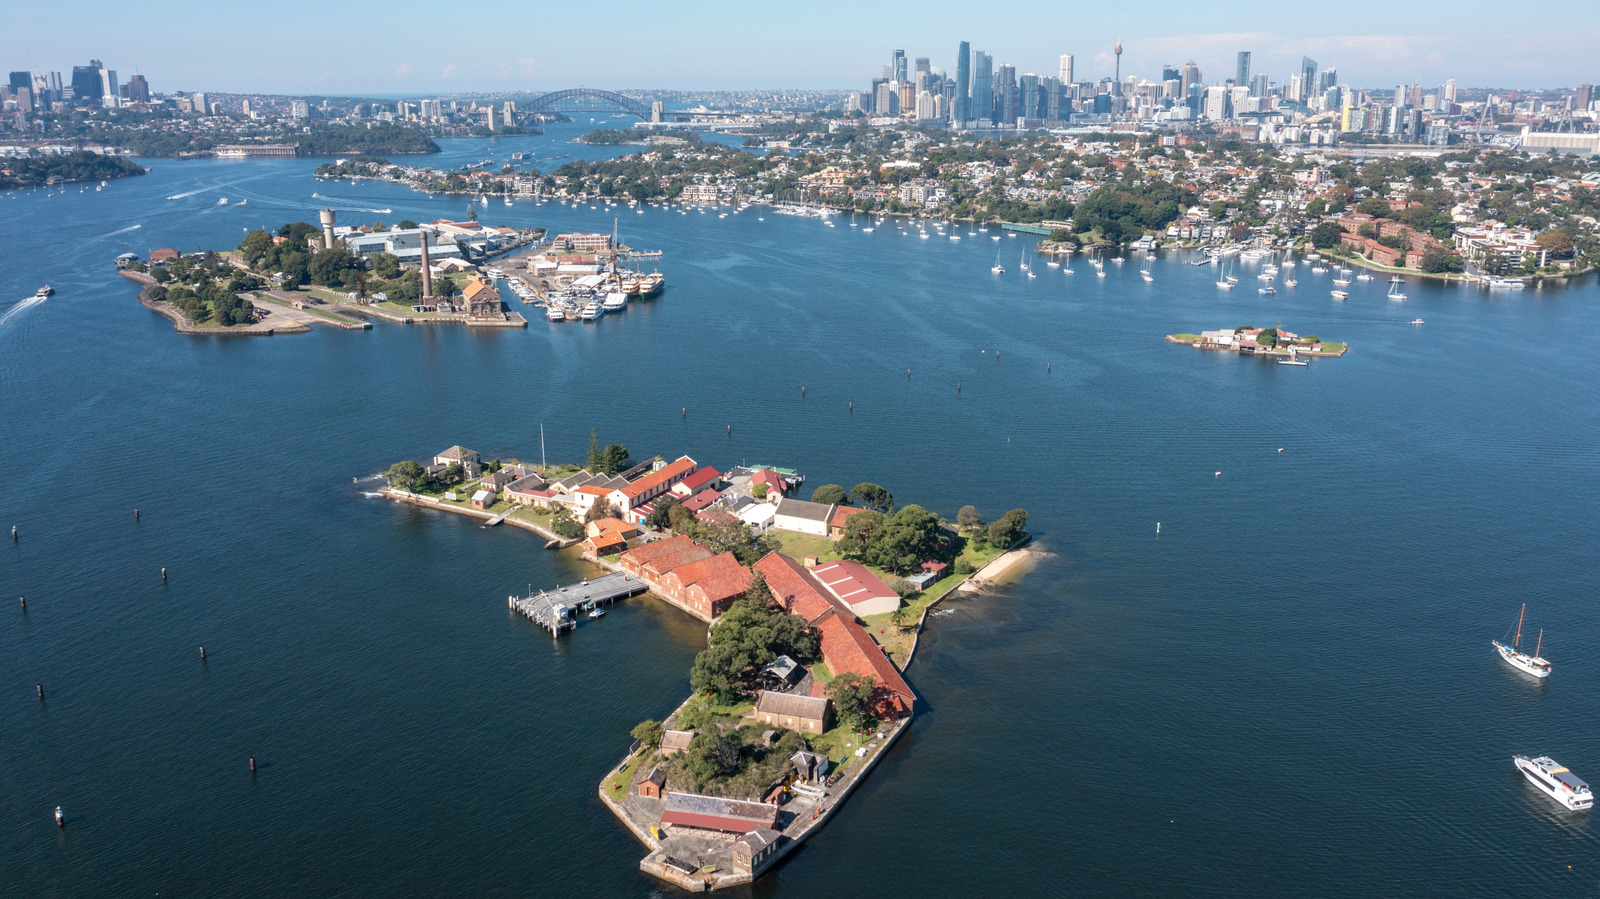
[1290,690]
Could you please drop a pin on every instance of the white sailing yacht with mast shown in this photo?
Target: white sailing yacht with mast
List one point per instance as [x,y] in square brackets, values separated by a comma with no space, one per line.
[1145,270]
[1520,660]
[997,268]
[1394,288]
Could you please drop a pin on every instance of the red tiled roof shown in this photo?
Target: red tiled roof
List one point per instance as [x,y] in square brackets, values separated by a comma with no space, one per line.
[769,477]
[844,514]
[716,516]
[644,555]
[719,577]
[667,563]
[846,646]
[661,476]
[795,588]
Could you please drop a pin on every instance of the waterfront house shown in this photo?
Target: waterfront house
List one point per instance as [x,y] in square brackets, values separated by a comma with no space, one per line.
[483,499]
[802,517]
[498,480]
[674,742]
[628,498]
[752,851]
[852,584]
[482,301]
[163,256]
[773,481]
[704,588]
[705,479]
[607,536]
[459,455]
[715,813]
[806,714]
[530,491]
[650,785]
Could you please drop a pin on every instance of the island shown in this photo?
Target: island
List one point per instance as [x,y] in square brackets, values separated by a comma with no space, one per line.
[816,605]
[1252,341]
[45,170]
[612,137]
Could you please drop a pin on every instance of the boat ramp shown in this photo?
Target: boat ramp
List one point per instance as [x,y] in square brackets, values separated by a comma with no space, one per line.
[556,610]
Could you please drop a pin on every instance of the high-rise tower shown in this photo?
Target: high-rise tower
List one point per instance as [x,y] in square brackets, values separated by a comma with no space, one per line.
[963,110]
[1241,77]
[1066,68]
[1117,83]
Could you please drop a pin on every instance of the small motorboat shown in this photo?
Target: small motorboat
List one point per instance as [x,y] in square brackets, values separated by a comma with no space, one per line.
[44,291]
[597,612]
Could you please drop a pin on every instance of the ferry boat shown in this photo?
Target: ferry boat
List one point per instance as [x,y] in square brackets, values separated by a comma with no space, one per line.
[1555,781]
[555,314]
[650,285]
[1520,660]
[591,312]
[43,292]
[615,301]
[1505,283]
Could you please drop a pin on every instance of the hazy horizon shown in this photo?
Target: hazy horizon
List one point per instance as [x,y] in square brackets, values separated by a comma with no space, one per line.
[302,48]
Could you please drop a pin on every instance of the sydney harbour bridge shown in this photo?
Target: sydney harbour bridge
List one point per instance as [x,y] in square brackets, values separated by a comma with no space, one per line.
[593,100]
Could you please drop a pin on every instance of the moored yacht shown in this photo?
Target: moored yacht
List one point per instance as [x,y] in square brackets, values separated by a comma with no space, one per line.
[1555,781]
[1516,658]
[591,312]
[554,313]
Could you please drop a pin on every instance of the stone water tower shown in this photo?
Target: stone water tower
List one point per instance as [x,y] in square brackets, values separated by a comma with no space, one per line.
[327,227]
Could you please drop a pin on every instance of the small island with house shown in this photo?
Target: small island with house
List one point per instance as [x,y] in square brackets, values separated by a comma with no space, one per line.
[1252,341]
[813,607]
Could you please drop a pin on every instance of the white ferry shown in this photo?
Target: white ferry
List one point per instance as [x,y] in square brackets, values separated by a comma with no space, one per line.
[1534,664]
[591,312]
[1556,781]
[614,301]
[555,314]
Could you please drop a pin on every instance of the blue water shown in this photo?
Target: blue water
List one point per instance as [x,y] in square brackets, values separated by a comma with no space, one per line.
[1289,691]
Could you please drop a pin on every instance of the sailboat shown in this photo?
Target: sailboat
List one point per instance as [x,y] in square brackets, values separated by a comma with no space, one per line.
[997,268]
[1022,260]
[1519,660]
[1394,288]
[1223,282]
[1144,272]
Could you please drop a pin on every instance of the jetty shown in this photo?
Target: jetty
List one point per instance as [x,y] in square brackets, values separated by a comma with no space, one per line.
[553,609]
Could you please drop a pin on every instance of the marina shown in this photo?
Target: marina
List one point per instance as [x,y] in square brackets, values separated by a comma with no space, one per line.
[556,610]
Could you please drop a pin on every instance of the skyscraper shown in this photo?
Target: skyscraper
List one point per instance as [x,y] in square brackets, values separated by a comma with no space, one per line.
[1005,93]
[1258,86]
[921,72]
[21,80]
[1191,76]
[86,83]
[1309,84]
[1242,75]
[109,94]
[1583,96]
[1450,91]
[897,65]
[138,89]
[963,110]
[982,87]
[1066,68]
[1171,73]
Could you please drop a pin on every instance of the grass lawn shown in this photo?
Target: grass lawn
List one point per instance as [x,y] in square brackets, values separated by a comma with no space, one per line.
[1330,346]
[798,546]
[617,783]
[1186,338]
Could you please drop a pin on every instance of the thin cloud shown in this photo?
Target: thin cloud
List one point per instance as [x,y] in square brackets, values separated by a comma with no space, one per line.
[449,71]
[403,70]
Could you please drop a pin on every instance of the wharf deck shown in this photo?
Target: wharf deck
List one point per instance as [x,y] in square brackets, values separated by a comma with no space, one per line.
[553,609]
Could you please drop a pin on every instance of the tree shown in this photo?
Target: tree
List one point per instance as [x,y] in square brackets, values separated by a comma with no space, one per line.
[1267,338]
[900,616]
[747,637]
[1009,529]
[1557,243]
[967,518]
[1326,235]
[757,591]
[828,494]
[711,755]
[613,458]
[406,475]
[759,491]
[593,459]
[660,516]
[852,700]
[386,265]
[565,527]
[1317,207]
[873,497]
[600,509]
[899,543]
[648,732]
[1375,207]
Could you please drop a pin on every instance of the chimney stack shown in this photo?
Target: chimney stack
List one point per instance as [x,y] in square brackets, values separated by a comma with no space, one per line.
[427,275]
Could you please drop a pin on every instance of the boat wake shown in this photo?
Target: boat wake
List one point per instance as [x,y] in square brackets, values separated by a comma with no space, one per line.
[20,308]
[122,230]
[372,494]
[188,193]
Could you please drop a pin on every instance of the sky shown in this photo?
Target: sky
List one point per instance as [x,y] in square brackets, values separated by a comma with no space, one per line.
[401,46]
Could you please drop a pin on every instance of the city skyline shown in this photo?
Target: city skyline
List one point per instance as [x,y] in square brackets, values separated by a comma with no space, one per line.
[702,48]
